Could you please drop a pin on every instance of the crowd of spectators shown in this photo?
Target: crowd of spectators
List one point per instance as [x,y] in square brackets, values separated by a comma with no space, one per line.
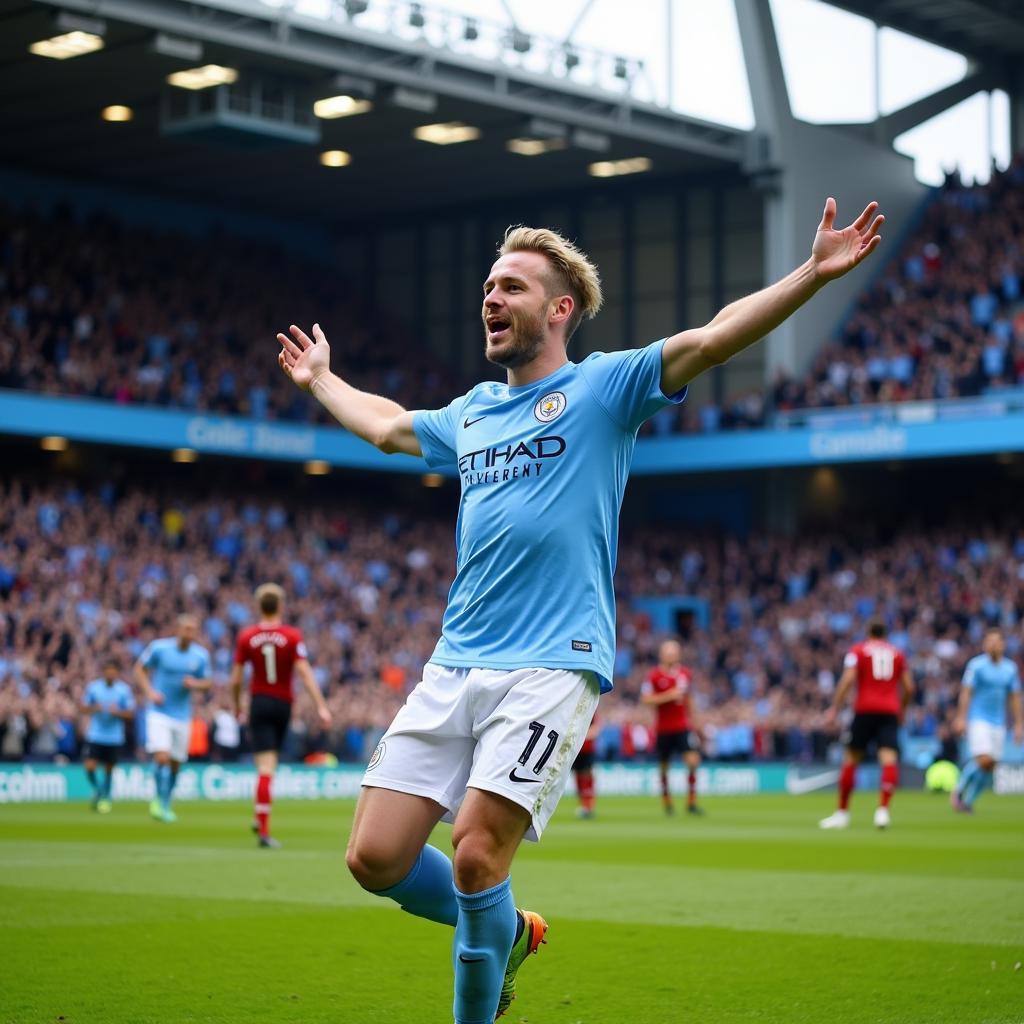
[96,308]
[86,573]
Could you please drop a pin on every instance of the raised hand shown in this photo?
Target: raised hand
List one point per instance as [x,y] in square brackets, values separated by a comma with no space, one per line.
[304,359]
[837,252]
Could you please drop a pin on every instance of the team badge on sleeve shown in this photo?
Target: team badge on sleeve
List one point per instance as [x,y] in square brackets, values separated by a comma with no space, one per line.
[550,407]
[377,756]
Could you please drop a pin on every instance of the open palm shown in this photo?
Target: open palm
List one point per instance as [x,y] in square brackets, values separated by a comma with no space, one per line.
[303,358]
[837,252]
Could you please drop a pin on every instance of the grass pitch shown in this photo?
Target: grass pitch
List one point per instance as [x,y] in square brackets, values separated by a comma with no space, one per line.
[749,914]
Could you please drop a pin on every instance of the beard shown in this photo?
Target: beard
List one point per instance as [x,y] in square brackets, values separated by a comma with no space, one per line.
[524,343]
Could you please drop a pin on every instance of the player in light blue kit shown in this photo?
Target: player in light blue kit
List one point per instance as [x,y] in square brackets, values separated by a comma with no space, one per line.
[168,672]
[488,737]
[110,703]
[991,680]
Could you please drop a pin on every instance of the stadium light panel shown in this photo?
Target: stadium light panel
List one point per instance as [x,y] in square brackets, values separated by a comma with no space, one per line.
[335,158]
[317,467]
[54,443]
[205,77]
[432,480]
[182,49]
[615,168]
[331,107]
[117,113]
[70,44]
[534,147]
[414,99]
[184,455]
[597,142]
[447,133]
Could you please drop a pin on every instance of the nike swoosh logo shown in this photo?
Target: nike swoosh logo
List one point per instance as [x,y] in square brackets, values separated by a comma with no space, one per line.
[467,422]
[797,786]
[471,960]
[515,778]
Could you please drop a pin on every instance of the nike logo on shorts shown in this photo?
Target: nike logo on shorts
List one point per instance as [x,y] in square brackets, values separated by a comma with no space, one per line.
[515,778]
[467,422]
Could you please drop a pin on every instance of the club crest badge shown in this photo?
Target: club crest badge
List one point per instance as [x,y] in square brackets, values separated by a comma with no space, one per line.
[378,756]
[550,407]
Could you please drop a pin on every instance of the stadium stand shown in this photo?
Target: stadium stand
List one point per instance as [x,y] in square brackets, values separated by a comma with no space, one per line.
[103,310]
[90,570]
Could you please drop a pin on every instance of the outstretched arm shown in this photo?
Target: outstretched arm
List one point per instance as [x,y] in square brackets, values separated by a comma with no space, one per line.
[385,424]
[749,319]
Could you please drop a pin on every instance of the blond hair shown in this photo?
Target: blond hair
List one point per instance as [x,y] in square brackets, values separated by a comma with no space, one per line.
[571,272]
[269,598]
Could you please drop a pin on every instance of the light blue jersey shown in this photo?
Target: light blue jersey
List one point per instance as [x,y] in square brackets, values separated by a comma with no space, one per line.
[543,469]
[105,727]
[992,682]
[168,665]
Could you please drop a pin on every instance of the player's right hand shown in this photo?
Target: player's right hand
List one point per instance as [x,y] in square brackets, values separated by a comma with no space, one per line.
[156,697]
[959,725]
[302,358]
[830,718]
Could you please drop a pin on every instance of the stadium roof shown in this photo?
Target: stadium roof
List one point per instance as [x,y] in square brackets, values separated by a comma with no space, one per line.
[983,29]
[50,119]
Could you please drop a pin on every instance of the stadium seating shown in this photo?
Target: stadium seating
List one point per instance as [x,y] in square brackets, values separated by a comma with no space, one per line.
[89,572]
[100,309]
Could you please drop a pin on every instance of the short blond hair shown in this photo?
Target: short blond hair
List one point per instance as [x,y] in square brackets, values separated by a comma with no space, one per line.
[269,598]
[571,272]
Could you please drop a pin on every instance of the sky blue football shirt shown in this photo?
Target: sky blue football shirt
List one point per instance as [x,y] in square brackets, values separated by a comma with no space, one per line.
[103,726]
[543,468]
[992,682]
[168,665]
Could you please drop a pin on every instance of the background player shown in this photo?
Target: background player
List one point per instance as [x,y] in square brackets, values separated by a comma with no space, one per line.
[879,672]
[990,681]
[528,637]
[110,702]
[272,651]
[667,688]
[168,672]
[583,770]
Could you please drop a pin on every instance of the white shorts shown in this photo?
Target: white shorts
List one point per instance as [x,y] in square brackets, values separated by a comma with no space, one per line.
[515,733]
[166,735]
[986,739]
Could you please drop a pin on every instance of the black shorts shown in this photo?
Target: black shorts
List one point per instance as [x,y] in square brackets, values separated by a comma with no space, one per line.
[105,753]
[669,743]
[268,722]
[584,761]
[869,727]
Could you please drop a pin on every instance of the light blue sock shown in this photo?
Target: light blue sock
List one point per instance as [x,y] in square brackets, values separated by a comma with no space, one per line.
[483,940]
[980,780]
[163,784]
[428,890]
[967,777]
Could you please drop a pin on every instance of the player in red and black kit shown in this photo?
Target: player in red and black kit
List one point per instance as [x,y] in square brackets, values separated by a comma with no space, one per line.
[272,650]
[884,687]
[583,770]
[668,688]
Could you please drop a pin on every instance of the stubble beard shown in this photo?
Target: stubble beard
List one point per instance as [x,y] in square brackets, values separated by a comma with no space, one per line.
[526,343]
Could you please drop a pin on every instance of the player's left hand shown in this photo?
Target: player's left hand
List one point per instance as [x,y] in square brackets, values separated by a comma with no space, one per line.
[324,715]
[836,252]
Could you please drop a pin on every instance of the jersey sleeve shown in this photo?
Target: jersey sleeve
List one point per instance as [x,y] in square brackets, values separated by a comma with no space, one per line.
[969,672]
[150,656]
[628,384]
[437,430]
[204,664]
[241,648]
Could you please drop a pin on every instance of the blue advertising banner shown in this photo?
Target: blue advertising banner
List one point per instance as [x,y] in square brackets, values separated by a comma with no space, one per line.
[904,437]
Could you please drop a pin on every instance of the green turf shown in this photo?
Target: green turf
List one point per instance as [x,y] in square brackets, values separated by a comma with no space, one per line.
[749,914]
